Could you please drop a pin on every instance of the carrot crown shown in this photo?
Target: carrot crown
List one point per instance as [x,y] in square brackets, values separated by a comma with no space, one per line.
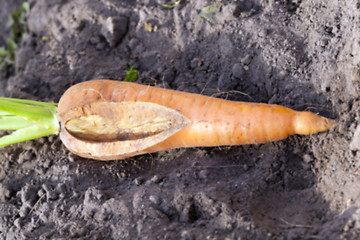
[30,120]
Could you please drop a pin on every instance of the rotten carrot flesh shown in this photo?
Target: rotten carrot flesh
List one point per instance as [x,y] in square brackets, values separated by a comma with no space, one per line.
[108,120]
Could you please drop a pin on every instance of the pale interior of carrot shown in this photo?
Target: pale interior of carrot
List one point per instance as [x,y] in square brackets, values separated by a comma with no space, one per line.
[126,121]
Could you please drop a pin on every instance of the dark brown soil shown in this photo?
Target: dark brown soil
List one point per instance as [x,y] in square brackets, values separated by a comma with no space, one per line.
[301,54]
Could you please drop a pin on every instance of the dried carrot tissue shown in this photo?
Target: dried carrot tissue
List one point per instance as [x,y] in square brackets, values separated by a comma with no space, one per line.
[108,120]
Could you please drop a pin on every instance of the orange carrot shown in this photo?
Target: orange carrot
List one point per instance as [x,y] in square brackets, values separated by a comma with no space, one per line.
[107,120]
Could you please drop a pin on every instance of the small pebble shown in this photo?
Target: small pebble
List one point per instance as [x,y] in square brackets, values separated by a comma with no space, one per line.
[195,164]
[355,143]
[5,193]
[34,223]
[28,195]
[154,199]
[24,211]
[186,235]
[264,32]
[51,138]
[41,192]
[47,163]
[47,187]
[203,174]
[71,157]
[245,167]
[282,74]
[138,181]
[50,193]
[194,63]
[62,189]
[25,156]
[155,179]
[18,223]
[237,70]
[323,42]
[307,158]
[246,60]
[231,10]
[114,29]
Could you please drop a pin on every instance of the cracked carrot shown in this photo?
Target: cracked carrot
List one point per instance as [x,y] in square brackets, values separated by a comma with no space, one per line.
[108,120]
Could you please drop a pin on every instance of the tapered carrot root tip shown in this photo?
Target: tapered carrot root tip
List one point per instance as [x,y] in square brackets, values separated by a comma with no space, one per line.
[307,123]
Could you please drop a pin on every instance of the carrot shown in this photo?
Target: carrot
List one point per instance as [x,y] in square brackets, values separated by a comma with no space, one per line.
[107,120]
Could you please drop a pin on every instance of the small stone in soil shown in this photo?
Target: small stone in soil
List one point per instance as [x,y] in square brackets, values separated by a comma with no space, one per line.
[237,71]
[154,199]
[355,143]
[18,223]
[28,195]
[5,193]
[114,30]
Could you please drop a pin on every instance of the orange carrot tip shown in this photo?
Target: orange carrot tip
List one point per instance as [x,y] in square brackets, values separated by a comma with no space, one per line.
[309,123]
[109,120]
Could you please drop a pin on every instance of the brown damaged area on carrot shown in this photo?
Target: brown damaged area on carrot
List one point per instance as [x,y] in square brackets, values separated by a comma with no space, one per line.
[109,120]
[109,130]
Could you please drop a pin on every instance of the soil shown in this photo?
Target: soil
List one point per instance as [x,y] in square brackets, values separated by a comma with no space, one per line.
[301,54]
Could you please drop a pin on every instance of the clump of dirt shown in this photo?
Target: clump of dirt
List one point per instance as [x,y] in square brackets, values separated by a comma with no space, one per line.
[301,54]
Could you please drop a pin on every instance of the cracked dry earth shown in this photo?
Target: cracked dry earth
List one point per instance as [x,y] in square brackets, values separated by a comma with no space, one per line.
[301,54]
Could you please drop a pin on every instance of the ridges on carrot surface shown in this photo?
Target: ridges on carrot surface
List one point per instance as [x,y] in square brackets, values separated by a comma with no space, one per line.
[201,120]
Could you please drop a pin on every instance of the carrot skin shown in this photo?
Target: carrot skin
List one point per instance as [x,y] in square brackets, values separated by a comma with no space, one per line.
[214,122]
